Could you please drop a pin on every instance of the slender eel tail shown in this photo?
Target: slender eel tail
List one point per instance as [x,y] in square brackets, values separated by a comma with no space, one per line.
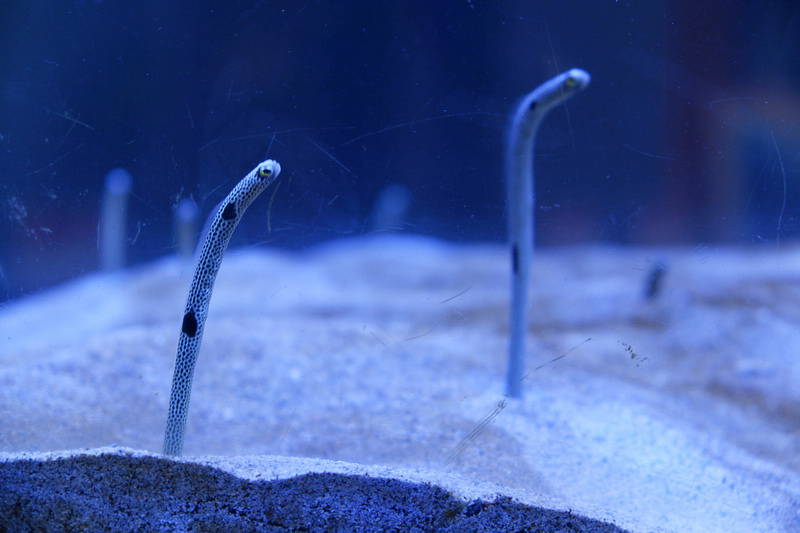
[520,200]
[194,317]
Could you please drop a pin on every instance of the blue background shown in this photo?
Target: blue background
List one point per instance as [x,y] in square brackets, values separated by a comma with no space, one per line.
[688,134]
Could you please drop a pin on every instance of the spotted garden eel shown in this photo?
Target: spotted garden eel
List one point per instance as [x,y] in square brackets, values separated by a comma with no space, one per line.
[519,183]
[194,317]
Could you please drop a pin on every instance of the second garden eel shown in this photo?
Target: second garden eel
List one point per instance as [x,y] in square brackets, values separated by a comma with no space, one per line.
[194,316]
[520,197]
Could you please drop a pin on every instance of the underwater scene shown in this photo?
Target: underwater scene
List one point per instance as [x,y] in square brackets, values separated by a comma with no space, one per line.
[466,265]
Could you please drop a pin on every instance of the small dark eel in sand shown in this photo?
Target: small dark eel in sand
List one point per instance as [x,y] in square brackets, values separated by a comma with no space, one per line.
[519,182]
[194,317]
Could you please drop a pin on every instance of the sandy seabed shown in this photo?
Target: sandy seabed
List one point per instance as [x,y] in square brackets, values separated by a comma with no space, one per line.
[675,413]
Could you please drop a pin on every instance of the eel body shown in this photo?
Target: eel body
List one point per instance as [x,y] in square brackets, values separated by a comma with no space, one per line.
[525,123]
[194,317]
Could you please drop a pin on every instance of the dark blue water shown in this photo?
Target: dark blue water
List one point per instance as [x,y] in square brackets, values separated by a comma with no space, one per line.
[689,132]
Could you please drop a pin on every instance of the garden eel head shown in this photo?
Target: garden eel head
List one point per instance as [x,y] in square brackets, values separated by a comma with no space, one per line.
[555,91]
[268,168]
[576,80]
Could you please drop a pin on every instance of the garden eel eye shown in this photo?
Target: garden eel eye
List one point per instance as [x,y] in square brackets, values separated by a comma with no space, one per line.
[264,172]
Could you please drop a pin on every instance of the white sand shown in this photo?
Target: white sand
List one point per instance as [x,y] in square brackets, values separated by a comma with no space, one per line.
[680,414]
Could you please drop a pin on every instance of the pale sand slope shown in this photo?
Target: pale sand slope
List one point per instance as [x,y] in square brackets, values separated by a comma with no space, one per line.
[680,414]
